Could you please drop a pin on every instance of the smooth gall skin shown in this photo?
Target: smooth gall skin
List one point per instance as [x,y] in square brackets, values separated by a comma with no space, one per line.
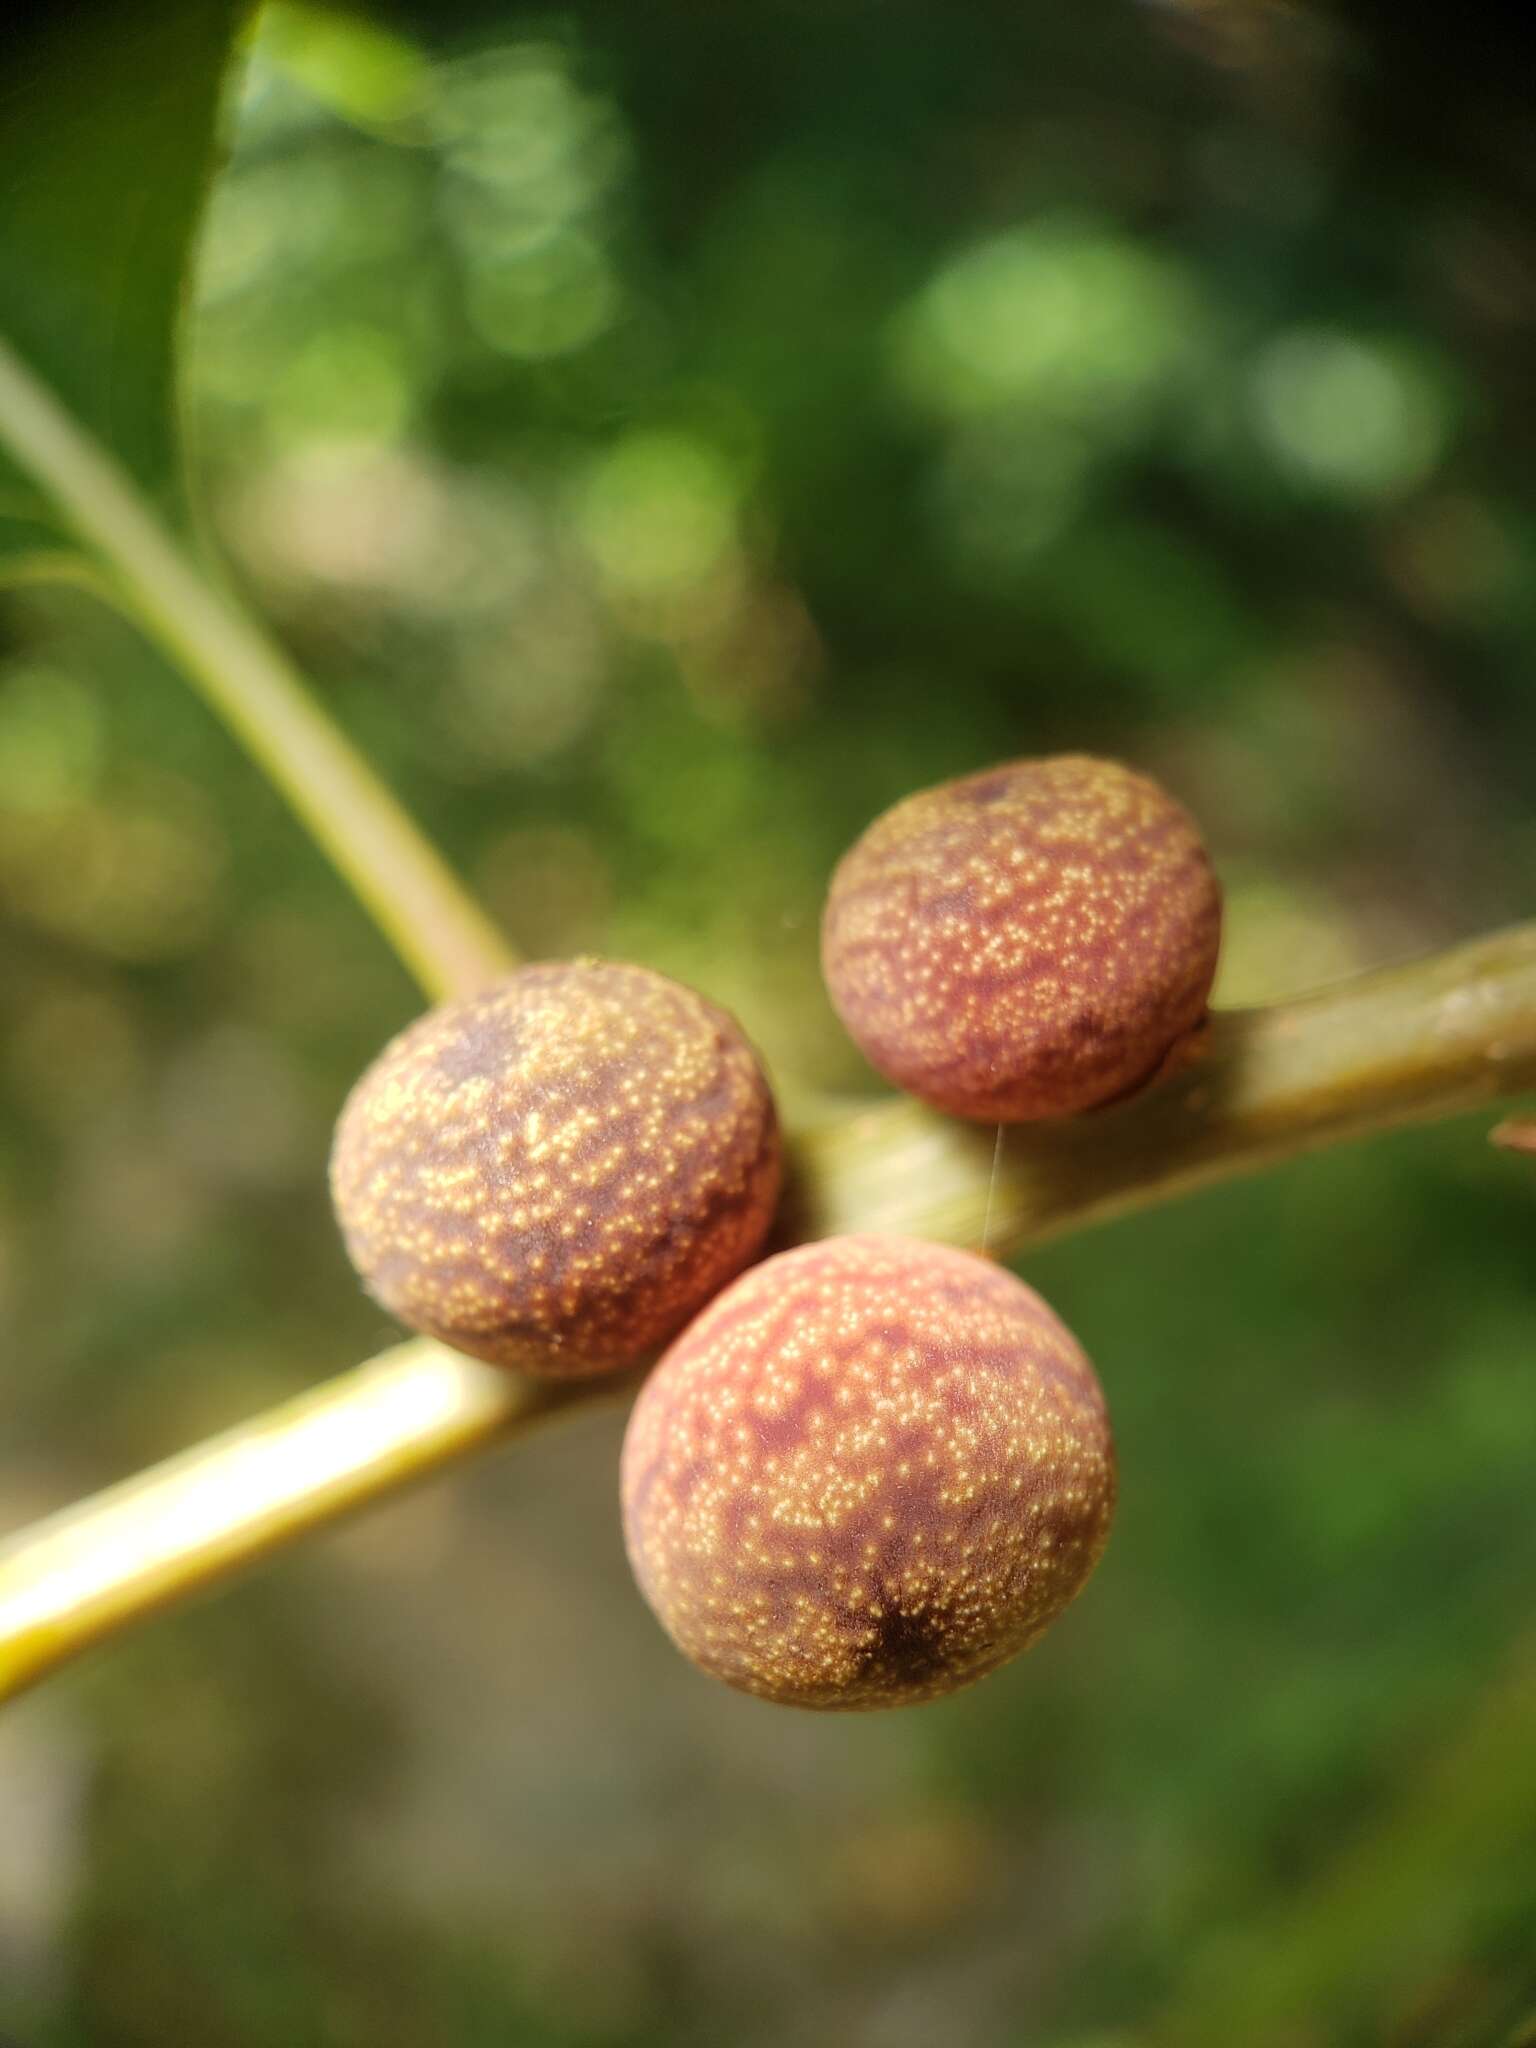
[1028,942]
[868,1474]
[557,1173]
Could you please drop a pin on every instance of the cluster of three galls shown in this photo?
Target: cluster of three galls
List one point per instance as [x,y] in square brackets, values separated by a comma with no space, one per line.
[868,1470]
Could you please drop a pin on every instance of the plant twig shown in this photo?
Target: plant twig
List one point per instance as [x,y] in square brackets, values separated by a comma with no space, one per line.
[93,1569]
[1404,1045]
[436,927]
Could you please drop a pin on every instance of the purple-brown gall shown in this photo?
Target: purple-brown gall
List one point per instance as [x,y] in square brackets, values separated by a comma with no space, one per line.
[559,1172]
[1028,942]
[868,1474]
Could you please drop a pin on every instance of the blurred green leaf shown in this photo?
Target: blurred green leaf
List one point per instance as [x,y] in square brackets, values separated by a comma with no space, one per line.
[100,193]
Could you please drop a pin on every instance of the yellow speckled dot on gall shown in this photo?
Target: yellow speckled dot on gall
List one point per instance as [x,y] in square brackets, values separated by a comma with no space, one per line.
[1028,942]
[869,1473]
[557,1173]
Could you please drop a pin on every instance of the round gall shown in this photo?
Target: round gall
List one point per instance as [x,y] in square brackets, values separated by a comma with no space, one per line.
[557,1173]
[1028,942]
[869,1473]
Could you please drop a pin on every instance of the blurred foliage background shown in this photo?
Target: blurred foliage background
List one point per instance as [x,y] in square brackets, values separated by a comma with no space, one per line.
[667,436]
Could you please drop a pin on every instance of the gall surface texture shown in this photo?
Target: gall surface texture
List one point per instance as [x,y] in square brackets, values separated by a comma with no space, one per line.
[1027,942]
[871,1472]
[557,1173]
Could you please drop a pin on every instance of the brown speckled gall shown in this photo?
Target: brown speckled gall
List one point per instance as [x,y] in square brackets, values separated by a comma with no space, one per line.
[558,1173]
[1027,942]
[871,1472]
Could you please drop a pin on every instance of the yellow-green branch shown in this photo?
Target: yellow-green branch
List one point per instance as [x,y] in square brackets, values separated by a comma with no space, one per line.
[1405,1045]
[408,889]
[96,1568]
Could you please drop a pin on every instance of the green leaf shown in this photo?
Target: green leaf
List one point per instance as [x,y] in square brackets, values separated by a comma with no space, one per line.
[108,112]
